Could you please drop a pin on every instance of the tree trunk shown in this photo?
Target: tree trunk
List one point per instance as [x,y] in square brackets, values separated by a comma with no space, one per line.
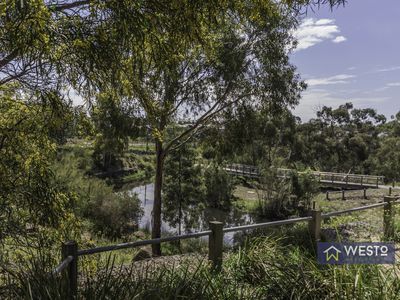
[156,224]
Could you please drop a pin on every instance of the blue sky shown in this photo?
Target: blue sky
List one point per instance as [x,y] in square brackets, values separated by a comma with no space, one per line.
[350,54]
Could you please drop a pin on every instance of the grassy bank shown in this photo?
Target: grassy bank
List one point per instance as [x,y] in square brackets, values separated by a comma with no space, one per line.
[266,267]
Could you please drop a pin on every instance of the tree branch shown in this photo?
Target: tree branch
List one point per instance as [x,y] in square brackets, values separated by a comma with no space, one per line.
[202,121]
[8,58]
[65,6]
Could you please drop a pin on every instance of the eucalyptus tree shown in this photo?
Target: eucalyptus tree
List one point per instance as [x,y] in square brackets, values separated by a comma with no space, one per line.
[242,57]
[254,136]
[173,59]
[30,41]
[34,38]
[340,138]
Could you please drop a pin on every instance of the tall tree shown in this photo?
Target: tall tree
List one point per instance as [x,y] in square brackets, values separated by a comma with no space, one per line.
[170,58]
[340,138]
[240,58]
[184,188]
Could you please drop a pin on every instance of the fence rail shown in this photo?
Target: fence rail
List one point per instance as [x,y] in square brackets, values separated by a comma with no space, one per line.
[341,212]
[143,243]
[267,224]
[61,267]
[70,252]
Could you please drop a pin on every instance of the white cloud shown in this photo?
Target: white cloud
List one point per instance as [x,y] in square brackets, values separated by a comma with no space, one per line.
[393,84]
[312,32]
[387,86]
[389,69]
[339,39]
[324,22]
[341,78]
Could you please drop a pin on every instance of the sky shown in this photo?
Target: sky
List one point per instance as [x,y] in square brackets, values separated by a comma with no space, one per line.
[350,54]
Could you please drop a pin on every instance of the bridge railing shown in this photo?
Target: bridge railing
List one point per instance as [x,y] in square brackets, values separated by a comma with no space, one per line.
[68,267]
[346,178]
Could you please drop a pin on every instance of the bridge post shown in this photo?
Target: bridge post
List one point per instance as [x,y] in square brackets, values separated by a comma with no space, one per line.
[388,218]
[314,224]
[215,244]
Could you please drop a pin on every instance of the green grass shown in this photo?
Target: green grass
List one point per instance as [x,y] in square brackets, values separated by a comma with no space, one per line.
[246,205]
[266,267]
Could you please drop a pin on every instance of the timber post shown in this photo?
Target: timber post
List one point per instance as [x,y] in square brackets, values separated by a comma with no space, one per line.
[365,193]
[215,244]
[388,218]
[70,248]
[314,224]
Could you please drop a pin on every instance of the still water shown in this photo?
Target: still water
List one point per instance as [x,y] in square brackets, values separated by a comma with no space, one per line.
[230,218]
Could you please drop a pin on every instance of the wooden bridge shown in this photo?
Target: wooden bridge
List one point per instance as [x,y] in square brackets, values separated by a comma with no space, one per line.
[341,180]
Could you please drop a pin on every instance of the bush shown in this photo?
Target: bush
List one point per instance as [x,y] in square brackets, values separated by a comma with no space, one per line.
[304,188]
[115,215]
[110,213]
[219,187]
[280,197]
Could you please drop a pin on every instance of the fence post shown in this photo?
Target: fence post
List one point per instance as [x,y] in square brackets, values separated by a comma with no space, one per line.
[215,244]
[314,224]
[388,218]
[70,248]
[390,191]
[343,197]
[365,193]
[327,195]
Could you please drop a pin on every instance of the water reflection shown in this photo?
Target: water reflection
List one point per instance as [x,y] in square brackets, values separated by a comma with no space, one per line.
[234,217]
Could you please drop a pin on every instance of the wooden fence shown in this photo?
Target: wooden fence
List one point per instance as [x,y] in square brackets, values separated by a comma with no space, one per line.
[68,268]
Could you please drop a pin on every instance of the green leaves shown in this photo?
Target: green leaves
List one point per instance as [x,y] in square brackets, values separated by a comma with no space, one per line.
[27,195]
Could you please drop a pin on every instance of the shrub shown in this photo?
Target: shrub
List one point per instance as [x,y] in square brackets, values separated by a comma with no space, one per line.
[280,197]
[115,214]
[219,187]
[110,213]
